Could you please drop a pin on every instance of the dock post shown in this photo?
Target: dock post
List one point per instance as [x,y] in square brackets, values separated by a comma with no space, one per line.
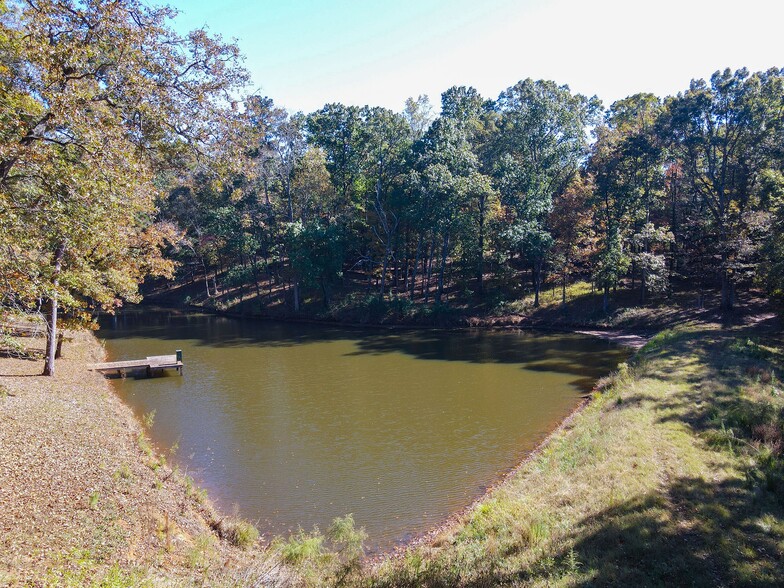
[178,353]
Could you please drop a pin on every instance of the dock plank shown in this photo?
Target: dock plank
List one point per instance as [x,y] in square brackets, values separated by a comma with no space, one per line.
[152,362]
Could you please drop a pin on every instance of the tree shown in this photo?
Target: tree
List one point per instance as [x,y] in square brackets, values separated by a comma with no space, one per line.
[418,115]
[570,225]
[386,142]
[277,146]
[316,252]
[313,194]
[473,120]
[649,257]
[448,178]
[627,168]
[335,129]
[727,134]
[771,274]
[99,94]
[539,146]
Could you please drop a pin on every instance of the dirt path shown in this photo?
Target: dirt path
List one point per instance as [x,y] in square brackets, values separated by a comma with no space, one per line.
[620,337]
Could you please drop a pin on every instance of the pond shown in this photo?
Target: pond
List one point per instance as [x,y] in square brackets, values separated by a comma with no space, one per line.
[293,425]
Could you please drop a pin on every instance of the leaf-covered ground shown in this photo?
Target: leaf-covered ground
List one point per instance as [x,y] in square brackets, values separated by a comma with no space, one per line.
[85,499]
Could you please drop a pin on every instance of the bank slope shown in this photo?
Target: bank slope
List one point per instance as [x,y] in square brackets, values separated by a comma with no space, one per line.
[85,499]
[672,475]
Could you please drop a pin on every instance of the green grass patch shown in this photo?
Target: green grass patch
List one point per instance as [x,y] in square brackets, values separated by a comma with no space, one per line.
[664,339]
[331,559]
[202,553]
[193,492]
[80,569]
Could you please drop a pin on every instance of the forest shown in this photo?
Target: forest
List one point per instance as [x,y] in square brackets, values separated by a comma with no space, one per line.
[540,186]
[128,151]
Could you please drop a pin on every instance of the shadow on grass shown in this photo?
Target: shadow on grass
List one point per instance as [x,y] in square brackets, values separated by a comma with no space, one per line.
[692,531]
[715,364]
[696,534]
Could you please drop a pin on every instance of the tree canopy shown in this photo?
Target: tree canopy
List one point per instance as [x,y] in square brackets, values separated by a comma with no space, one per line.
[97,98]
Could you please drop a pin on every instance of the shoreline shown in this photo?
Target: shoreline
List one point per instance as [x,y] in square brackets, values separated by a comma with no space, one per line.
[631,341]
[454,520]
[84,492]
[532,492]
[631,338]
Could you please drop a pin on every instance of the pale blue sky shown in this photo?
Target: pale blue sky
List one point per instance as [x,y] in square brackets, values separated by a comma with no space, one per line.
[305,53]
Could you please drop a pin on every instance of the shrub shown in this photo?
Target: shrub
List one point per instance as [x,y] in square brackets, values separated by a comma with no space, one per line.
[237,532]
[301,547]
[347,538]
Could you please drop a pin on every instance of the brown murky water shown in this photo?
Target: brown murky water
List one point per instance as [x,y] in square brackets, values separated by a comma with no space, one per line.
[297,424]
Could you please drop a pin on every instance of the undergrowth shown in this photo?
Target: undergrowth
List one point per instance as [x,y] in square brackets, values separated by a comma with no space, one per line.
[317,559]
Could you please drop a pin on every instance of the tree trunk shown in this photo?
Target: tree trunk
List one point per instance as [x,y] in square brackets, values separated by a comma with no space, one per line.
[480,269]
[563,287]
[395,253]
[643,278]
[51,336]
[51,319]
[242,283]
[412,282]
[412,278]
[426,284]
[59,351]
[325,293]
[444,251]
[206,277]
[384,268]
[291,202]
[215,276]
[256,280]
[537,282]
[727,302]
[296,296]
[727,298]
[369,271]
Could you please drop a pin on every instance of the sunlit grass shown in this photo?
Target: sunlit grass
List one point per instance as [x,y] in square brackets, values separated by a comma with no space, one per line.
[672,475]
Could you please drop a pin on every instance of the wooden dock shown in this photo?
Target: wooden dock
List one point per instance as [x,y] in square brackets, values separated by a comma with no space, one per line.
[149,366]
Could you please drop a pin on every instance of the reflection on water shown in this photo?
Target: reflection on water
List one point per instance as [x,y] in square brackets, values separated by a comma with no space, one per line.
[297,424]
